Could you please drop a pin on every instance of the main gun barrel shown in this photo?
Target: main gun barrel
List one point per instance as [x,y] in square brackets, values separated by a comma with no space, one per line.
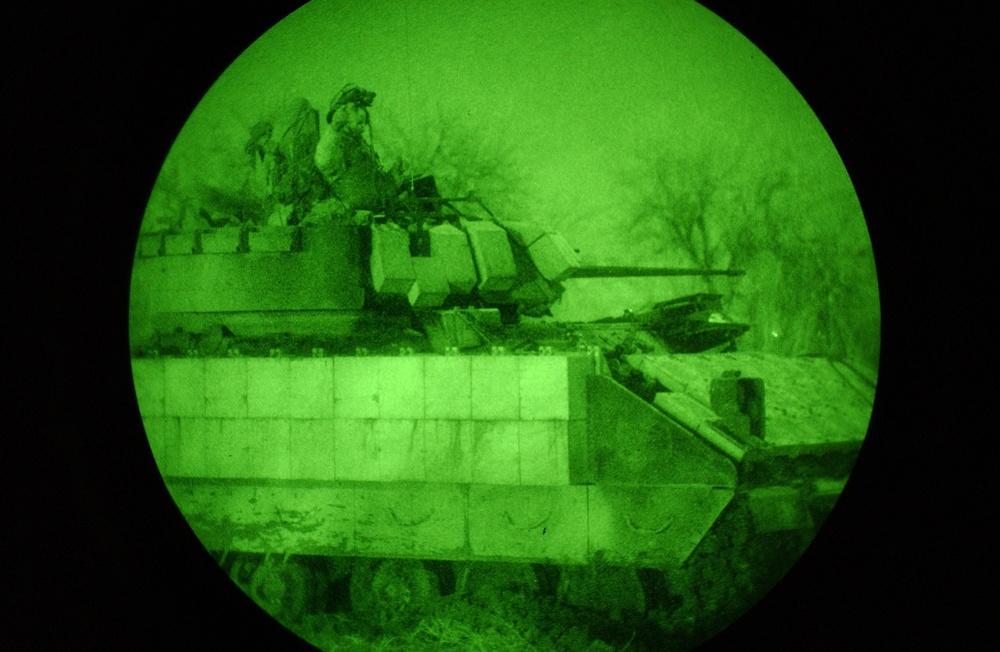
[619,271]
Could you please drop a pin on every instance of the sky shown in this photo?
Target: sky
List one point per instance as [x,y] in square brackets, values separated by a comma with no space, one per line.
[576,88]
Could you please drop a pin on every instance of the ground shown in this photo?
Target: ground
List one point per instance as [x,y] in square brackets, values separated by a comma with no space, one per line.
[727,573]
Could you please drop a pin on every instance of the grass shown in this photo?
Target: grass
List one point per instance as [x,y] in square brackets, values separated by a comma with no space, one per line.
[509,622]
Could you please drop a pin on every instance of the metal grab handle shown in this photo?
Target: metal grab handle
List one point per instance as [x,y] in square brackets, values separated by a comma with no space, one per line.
[636,528]
[413,522]
[510,519]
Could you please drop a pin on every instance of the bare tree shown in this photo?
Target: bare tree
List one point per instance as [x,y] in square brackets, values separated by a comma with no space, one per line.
[181,196]
[463,156]
[810,286]
[681,203]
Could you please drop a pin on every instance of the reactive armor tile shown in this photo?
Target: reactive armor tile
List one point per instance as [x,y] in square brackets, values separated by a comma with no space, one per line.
[244,516]
[201,451]
[150,244]
[220,241]
[431,287]
[449,450]
[495,452]
[268,387]
[179,244]
[184,387]
[448,387]
[355,388]
[251,448]
[312,449]
[274,239]
[391,265]
[226,387]
[451,247]
[553,386]
[401,449]
[424,520]
[542,523]
[495,387]
[494,260]
[401,387]
[149,386]
[544,452]
[554,257]
[164,440]
[310,388]
[356,449]
[657,524]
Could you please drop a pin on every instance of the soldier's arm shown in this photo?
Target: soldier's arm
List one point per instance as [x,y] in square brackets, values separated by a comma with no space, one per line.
[329,159]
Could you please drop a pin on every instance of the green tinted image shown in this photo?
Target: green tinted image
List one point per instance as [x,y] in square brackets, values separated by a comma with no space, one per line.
[503,326]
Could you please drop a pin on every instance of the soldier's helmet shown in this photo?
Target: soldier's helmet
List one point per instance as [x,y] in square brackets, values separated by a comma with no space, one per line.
[350,94]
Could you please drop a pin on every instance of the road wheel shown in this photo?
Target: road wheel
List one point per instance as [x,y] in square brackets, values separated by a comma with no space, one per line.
[282,588]
[392,593]
[481,582]
[608,589]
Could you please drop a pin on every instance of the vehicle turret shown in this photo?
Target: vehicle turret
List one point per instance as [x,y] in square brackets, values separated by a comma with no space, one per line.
[335,279]
[486,261]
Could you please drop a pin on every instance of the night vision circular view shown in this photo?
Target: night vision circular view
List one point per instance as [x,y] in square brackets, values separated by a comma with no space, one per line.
[504,326]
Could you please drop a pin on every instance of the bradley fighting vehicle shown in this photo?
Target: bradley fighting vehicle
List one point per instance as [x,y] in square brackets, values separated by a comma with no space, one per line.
[385,403]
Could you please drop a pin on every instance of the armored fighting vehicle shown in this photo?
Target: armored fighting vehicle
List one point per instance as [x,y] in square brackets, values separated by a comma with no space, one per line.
[386,403]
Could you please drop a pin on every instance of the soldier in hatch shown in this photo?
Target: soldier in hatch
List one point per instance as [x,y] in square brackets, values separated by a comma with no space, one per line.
[295,181]
[318,171]
[346,158]
[283,172]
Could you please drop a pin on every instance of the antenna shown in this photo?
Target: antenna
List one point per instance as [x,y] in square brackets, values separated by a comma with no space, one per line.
[409,88]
